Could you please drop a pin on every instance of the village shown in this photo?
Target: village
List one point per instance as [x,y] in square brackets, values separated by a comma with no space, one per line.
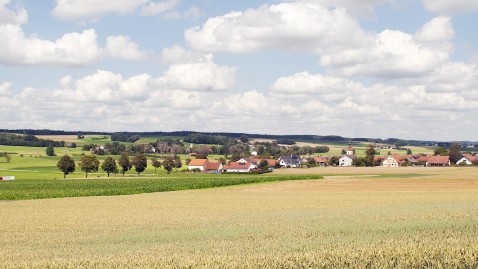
[349,159]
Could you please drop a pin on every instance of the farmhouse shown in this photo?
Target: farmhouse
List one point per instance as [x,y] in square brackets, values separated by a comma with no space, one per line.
[321,161]
[438,161]
[240,166]
[349,151]
[290,160]
[467,159]
[393,160]
[213,168]
[198,164]
[347,160]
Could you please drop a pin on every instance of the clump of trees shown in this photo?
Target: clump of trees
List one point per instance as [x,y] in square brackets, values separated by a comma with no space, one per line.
[124,137]
[27,141]
[50,150]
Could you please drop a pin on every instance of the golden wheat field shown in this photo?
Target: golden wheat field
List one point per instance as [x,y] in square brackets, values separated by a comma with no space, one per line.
[354,218]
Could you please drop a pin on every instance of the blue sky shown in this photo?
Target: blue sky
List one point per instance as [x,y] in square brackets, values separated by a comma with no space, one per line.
[372,68]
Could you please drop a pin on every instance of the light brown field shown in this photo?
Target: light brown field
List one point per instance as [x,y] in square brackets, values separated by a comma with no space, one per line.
[392,218]
[66,138]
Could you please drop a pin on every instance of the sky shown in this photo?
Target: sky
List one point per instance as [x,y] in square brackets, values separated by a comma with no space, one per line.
[371,68]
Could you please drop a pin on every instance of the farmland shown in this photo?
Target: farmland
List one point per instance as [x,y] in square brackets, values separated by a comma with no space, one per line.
[358,217]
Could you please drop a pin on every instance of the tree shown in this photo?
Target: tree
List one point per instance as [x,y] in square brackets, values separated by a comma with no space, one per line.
[263,165]
[177,163]
[66,165]
[370,154]
[244,139]
[155,163]
[109,166]
[440,151]
[454,152]
[8,158]
[222,160]
[50,150]
[409,152]
[140,162]
[89,163]
[168,164]
[311,162]
[124,163]
[334,161]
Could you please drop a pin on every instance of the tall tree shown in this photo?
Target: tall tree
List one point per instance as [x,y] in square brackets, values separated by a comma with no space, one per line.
[155,163]
[50,150]
[454,152]
[66,165]
[109,166]
[124,163]
[440,151]
[369,155]
[168,164]
[140,162]
[177,163]
[89,163]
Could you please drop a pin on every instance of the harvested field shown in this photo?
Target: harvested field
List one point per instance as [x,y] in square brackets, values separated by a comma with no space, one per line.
[412,219]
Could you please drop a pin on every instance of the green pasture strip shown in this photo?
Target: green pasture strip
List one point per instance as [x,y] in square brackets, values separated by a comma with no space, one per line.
[42,189]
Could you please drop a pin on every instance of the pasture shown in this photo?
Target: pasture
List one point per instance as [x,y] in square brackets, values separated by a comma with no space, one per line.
[354,218]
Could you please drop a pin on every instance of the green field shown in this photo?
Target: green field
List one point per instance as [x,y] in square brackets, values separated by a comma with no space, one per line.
[354,219]
[41,189]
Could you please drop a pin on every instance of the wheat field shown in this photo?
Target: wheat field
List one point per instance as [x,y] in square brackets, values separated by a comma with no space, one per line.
[360,218]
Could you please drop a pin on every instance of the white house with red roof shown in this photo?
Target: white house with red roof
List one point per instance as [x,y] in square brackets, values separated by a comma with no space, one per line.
[198,164]
[240,166]
[467,159]
[438,161]
[393,160]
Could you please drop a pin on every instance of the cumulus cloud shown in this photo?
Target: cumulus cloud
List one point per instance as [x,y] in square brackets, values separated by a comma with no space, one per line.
[94,9]
[293,26]
[72,49]
[450,7]
[395,54]
[204,75]
[5,88]
[362,9]
[121,47]
[17,15]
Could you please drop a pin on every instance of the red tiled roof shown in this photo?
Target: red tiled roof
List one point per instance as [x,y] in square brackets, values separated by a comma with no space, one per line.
[470,157]
[269,161]
[423,158]
[213,166]
[438,159]
[319,159]
[237,165]
[198,162]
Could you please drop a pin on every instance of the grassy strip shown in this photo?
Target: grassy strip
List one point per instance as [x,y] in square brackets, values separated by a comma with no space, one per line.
[42,189]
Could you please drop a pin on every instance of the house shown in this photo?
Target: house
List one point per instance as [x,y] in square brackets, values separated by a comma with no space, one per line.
[271,163]
[321,161]
[240,166]
[349,151]
[198,164]
[467,159]
[254,153]
[213,167]
[393,160]
[438,161]
[290,160]
[347,160]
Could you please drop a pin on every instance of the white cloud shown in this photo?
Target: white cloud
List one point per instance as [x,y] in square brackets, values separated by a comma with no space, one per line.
[72,49]
[450,7]
[5,88]
[177,54]
[76,10]
[121,47]
[204,75]
[395,54]
[16,16]
[362,9]
[287,26]
[439,29]
[154,8]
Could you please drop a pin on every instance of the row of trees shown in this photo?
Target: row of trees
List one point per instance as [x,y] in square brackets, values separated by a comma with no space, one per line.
[91,164]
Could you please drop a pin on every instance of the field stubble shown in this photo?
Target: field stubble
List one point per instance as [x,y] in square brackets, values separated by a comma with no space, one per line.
[364,222]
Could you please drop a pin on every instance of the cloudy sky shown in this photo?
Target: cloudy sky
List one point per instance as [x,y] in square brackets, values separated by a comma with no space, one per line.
[369,68]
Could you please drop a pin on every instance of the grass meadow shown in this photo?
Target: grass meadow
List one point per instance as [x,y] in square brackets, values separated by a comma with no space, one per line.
[354,218]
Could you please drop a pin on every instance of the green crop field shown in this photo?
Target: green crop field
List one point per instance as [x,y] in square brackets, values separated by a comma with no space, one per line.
[353,219]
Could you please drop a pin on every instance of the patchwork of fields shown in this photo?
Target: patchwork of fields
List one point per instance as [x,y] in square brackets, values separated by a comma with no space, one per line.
[354,218]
